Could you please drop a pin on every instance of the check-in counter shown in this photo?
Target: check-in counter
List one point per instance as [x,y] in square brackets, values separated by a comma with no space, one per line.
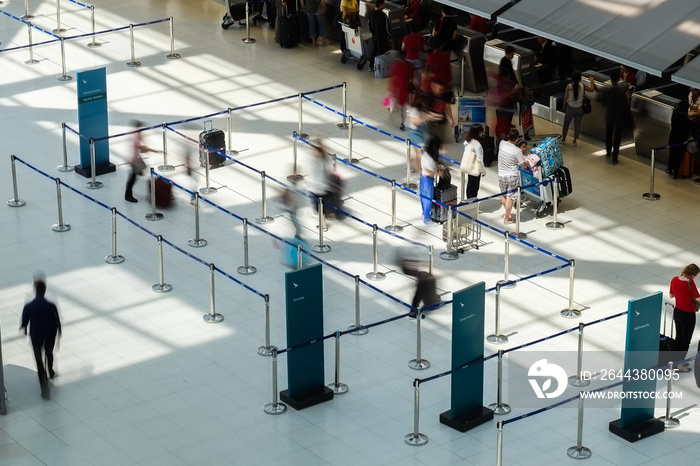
[594,124]
[469,74]
[397,23]
[652,110]
[523,62]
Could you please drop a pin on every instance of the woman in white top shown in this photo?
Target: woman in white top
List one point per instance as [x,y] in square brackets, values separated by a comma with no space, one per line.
[573,101]
[471,142]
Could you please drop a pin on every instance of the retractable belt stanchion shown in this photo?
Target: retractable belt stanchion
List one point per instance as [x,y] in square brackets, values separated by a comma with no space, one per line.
[275,407]
[58,29]
[576,380]
[133,63]
[153,216]
[247,39]
[393,227]
[166,167]
[669,421]
[344,124]
[268,348]
[337,387]
[418,363]
[320,247]
[207,189]
[264,218]
[26,16]
[357,328]
[213,317]
[571,312]
[431,258]
[463,186]
[93,44]
[60,226]
[449,254]
[578,451]
[63,76]
[462,62]
[114,258]
[415,438]
[246,269]
[555,224]
[93,183]
[65,167]
[518,200]
[375,274]
[295,176]
[499,407]
[161,286]
[651,195]
[31,60]
[301,132]
[496,337]
[349,158]
[408,183]
[499,444]
[172,55]
[15,201]
[300,253]
[229,130]
[506,283]
[196,242]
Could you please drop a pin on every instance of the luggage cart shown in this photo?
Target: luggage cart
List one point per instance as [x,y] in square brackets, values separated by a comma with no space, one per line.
[542,195]
[235,11]
[355,45]
[466,233]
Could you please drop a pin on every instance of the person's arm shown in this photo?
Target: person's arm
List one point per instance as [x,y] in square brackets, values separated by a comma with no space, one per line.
[521,159]
[479,151]
[592,87]
[448,114]
[25,320]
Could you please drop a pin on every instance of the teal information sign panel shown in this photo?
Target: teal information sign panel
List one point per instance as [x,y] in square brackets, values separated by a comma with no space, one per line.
[304,298]
[92,116]
[641,353]
[467,346]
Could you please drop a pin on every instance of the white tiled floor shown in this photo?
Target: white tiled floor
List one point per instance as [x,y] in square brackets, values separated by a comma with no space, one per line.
[143,380]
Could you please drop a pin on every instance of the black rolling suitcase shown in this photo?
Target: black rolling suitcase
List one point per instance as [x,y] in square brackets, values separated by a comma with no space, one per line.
[290,31]
[488,144]
[667,344]
[212,138]
[563,177]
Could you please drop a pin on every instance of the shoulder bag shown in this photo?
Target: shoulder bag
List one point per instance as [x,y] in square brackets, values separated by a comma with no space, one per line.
[470,165]
[586,104]
[695,301]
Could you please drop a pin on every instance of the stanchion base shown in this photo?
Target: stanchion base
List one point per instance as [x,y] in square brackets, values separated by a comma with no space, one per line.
[507,283]
[320,248]
[303,136]
[114,259]
[266,350]
[207,190]
[154,217]
[394,228]
[497,339]
[197,243]
[697,181]
[64,77]
[570,313]
[272,408]
[576,381]
[295,178]
[213,318]
[162,288]
[307,399]
[409,185]
[16,202]
[467,421]
[60,228]
[637,431]
[133,64]
[651,196]
[520,235]
[95,185]
[338,389]
[31,62]
[166,168]
[376,276]
[248,40]
[94,45]
[358,330]
[342,125]
[263,220]
[449,256]
[64,168]
[416,440]
[232,152]
[58,31]
[499,409]
[26,17]
[419,364]
[670,422]
[554,225]
[246,270]
[353,161]
[579,453]
[172,56]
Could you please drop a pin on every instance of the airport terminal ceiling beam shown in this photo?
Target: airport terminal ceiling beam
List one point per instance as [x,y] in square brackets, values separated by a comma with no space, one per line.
[689,75]
[484,8]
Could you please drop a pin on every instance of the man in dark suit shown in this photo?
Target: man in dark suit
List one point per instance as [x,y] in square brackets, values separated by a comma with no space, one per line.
[44,324]
[546,56]
[444,32]
[379,27]
[614,99]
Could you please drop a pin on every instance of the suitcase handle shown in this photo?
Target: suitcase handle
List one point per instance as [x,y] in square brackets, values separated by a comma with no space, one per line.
[211,125]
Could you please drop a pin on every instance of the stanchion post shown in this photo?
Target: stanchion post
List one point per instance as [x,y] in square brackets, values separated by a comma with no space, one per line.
[31,60]
[295,176]
[161,286]
[357,328]
[463,185]
[419,363]
[247,39]
[229,133]
[93,44]
[462,62]
[518,200]
[58,29]
[264,218]
[300,253]
[172,55]
[499,407]
[496,337]
[555,224]
[60,226]
[393,227]
[320,247]
[375,274]
[669,421]
[246,269]
[93,183]
[301,132]
[506,282]
[431,258]
[448,254]
[576,380]
[63,76]
[268,348]
[26,16]
[408,183]
[275,407]
[212,317]
[16,201]
[415,438]
[65,167]
[499,444]
[571,312]
[351,125]
[578,451]
[166,167]
[651,195]
[133,63]
[153,216]
[344,124]
[338,387]
[196,242]
[207,189]
[114,258]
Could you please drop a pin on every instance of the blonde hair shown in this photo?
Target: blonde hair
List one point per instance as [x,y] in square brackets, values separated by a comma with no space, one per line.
[690,270]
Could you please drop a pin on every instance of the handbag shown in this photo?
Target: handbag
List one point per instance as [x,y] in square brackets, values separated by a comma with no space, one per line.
[469,164]
[586,104]
[695,301]
[696,365]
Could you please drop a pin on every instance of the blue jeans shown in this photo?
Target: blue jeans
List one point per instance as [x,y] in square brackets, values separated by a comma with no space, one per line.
[317,25]
[426,196]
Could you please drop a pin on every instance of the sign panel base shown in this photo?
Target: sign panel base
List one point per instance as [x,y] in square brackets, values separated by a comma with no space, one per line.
[637,431]
[307,399]
[467,421]
[100,169]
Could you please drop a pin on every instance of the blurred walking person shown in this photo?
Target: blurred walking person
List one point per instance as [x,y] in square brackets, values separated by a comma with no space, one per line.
[136,162]
[318,181]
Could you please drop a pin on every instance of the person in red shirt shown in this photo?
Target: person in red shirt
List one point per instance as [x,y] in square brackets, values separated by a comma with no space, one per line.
[412,11]
[413,45]
[685,293]
[401,85]
[440,62]
[477,23]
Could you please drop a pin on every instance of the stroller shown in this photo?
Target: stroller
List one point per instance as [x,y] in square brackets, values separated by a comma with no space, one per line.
[236,12]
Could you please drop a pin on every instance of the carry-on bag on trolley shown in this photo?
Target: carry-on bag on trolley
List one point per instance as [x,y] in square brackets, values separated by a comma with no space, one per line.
[531,181]
[446,196]
[549,152]
[212,138]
